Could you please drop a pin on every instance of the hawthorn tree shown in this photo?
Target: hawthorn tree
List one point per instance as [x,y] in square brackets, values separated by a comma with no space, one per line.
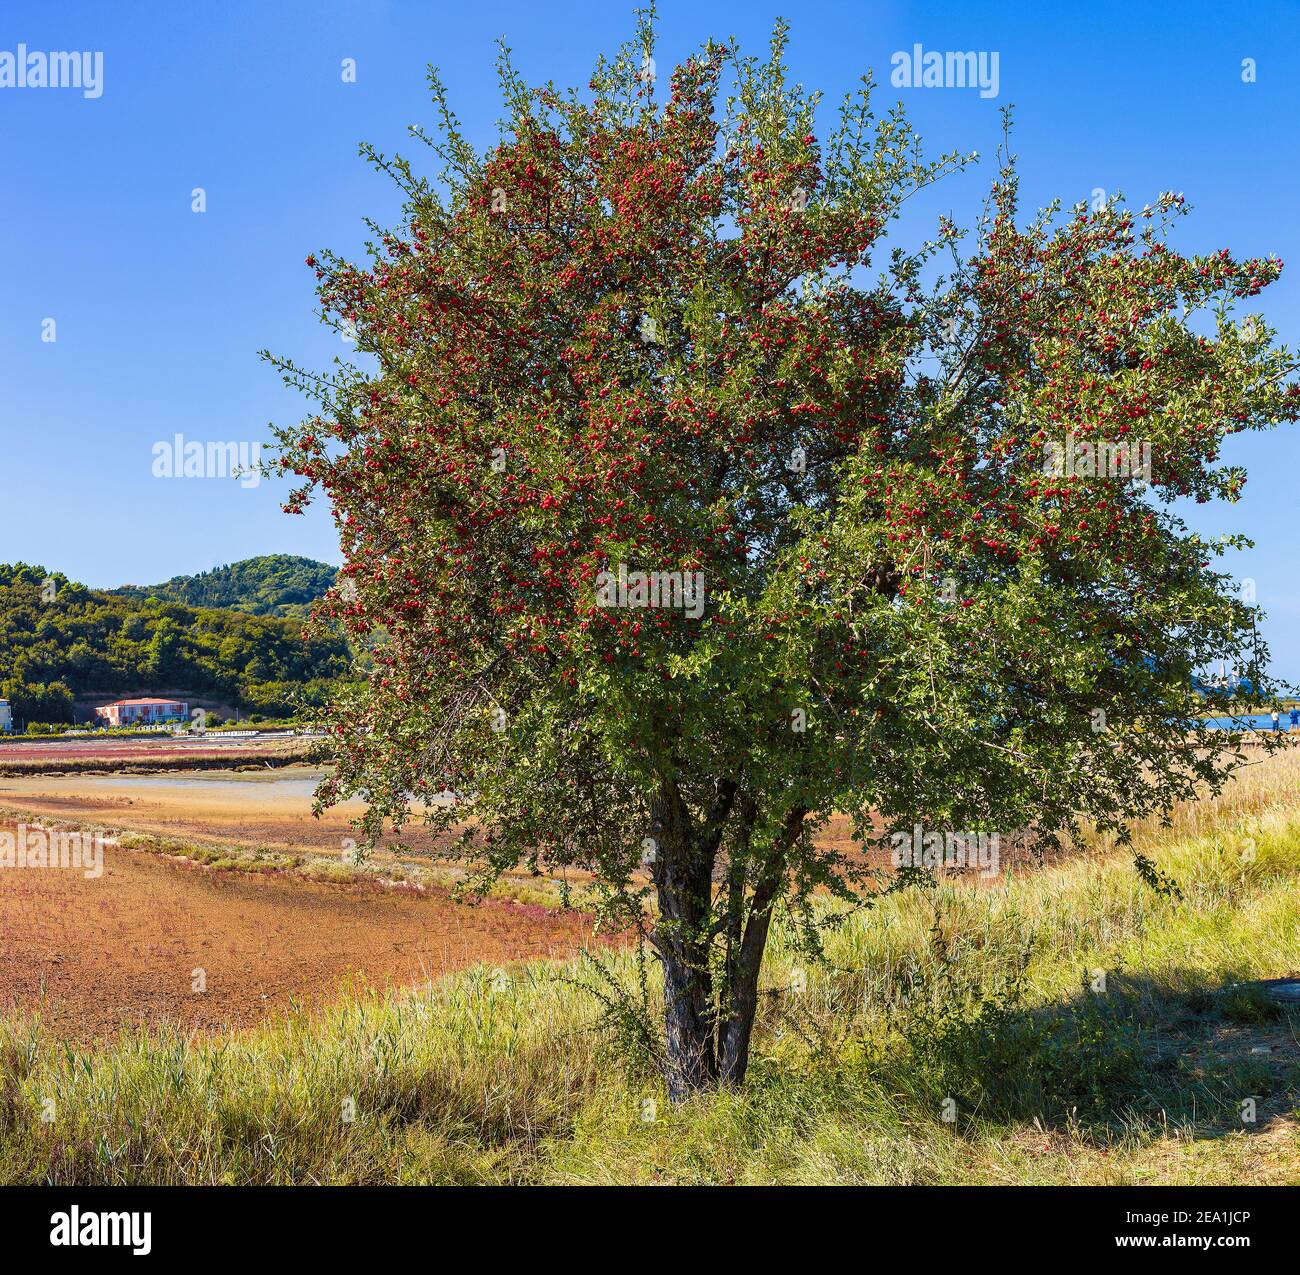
[637,335]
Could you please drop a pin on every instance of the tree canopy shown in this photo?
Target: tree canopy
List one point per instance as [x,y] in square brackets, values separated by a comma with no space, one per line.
[930,511]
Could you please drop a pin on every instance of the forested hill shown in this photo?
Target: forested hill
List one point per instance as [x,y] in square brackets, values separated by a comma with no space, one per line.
[277,584]
[61,641]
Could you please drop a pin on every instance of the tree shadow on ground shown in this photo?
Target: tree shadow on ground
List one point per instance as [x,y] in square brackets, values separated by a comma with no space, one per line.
[1126,1052]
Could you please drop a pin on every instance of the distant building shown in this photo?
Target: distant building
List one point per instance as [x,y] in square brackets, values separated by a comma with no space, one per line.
[129,712]
[6,716]
[1227,682]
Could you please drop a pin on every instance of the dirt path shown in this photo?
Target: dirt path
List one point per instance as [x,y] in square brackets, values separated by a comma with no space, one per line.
[90,955]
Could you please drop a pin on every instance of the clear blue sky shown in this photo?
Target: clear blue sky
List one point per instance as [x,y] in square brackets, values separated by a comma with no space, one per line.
[160,311]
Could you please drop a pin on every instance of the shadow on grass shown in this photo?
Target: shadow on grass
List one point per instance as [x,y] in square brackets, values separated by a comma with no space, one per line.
[1127,1054]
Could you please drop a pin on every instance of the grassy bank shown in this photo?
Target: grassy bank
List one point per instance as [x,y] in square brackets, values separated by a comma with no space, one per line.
[988,1007]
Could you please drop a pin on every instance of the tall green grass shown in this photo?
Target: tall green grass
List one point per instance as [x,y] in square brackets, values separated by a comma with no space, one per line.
[1070,1025]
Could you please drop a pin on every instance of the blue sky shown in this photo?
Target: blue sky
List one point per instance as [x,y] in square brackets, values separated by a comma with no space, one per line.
[160,310]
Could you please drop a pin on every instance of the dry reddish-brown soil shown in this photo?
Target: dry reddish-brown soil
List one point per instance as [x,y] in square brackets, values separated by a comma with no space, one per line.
[264,808]
[89,955]
[92,954]
[272,809]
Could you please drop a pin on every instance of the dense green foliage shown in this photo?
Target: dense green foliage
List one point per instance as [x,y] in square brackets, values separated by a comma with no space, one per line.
[60,640]
[637,340]
[274,584]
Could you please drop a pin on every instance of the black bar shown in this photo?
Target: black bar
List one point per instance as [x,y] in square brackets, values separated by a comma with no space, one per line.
[338,1223]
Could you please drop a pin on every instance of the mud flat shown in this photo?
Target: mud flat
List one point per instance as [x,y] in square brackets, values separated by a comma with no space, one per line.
[260,808]
[269,808]
[90,955]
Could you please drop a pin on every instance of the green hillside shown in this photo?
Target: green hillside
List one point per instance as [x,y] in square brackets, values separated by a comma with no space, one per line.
[276,584]
[61,641]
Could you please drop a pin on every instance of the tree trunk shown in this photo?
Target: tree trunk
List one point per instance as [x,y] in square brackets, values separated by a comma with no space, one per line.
[745,957]
[742,997]
[683,877]
[688,1026]
[708,1038]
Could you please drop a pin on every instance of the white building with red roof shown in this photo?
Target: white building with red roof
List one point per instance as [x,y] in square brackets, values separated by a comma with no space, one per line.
[131,712]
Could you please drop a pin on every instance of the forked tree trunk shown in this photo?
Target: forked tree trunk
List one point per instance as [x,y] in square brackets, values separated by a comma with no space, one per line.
[707,1037]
